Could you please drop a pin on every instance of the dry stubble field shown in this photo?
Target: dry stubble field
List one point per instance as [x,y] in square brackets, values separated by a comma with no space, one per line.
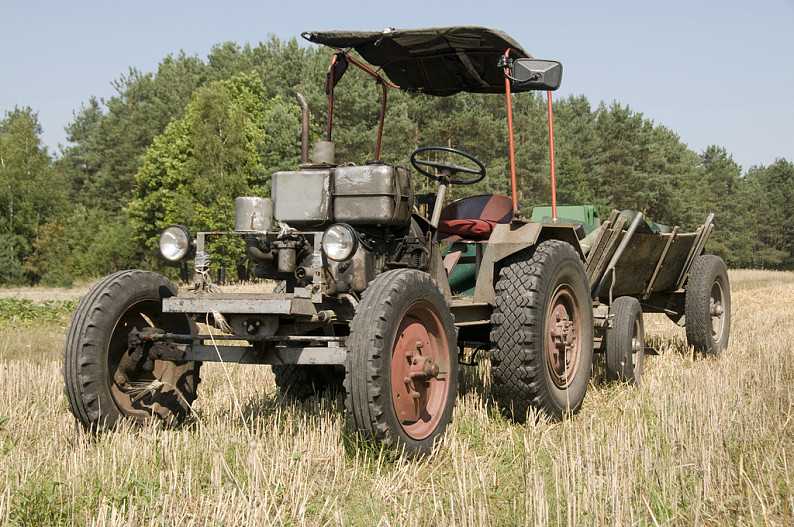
[701,442]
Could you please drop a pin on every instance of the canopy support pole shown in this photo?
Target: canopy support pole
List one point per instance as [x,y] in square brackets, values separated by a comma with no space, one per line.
[513,185]
[551,155]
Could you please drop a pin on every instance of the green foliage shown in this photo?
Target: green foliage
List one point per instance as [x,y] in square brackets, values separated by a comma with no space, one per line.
[30,191]
[771,191]
[177,145]
[23,312]
[39,502]
[229,141]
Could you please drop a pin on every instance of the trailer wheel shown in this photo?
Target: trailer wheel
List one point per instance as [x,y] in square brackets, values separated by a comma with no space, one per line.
[104,382]
[402,370]
[626,341]
[707,305]
[542,332]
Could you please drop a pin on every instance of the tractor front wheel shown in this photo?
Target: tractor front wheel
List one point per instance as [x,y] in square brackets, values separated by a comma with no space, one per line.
[104,380]
[402,372]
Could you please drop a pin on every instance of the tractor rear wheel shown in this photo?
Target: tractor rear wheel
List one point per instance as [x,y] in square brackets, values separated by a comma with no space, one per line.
[542,332]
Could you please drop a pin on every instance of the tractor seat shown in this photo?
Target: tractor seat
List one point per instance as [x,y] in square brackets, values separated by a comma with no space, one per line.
[472,219]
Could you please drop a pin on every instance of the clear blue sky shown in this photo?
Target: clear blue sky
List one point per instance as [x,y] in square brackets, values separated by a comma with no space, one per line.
[715,72]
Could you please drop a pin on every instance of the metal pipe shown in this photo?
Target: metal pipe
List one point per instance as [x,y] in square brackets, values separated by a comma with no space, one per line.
[255,251]
[551,160]
[513,184]
[382,117]
[185,337]
[440,195]
[304,128]
[330,98]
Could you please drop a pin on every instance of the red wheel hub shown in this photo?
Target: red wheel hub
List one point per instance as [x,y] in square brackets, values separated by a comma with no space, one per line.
[419,366]
[563,341]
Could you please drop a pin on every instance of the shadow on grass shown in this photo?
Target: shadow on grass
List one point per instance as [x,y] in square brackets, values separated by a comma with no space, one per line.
[663,344]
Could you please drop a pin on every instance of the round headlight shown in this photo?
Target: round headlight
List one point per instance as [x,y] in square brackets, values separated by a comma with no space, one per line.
[175,242]
[340,242]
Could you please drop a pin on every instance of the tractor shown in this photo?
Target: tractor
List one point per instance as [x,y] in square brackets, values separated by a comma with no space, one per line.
[361,292]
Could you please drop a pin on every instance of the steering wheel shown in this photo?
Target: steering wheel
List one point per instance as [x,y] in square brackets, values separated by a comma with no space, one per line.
[446,168]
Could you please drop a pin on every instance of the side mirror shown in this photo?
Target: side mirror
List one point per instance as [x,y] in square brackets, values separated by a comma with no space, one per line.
[535,74]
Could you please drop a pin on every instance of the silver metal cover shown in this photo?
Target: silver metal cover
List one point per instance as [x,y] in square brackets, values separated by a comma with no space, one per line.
[253,213]
[302,198]
[372,195]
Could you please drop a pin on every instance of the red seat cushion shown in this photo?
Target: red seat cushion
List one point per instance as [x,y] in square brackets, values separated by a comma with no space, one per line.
[473,218]
[476,230]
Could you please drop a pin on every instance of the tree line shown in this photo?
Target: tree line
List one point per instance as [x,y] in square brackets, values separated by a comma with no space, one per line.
[179,144]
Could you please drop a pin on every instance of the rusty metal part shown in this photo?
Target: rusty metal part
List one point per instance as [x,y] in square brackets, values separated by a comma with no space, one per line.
[304,127]
[325,316]
[286,260]
[419,365]
[253,214]
[563,337]
[151,345]
[243,303]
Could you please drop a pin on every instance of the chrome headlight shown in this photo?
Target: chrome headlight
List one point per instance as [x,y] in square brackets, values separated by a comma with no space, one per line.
[340,242]
[175,243]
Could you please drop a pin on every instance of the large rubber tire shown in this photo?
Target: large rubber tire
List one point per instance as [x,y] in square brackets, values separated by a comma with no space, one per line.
[542,316]
[626,341]
[707,305]
[402,371]
[102,386]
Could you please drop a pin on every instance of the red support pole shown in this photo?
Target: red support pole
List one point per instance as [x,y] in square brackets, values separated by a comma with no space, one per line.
[382,117]
[551,154]
[513,184]
[330,98]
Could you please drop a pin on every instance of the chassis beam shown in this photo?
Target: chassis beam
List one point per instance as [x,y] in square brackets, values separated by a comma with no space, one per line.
[154,344]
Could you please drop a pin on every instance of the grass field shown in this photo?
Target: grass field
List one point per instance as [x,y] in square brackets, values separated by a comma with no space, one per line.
[701,442]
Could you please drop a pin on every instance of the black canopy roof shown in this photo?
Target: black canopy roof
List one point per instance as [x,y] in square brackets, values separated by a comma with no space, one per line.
[436,61]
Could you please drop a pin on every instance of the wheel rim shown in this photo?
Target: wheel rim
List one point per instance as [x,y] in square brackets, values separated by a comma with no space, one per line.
[563,337]
[637,349]
[419,371]
[716,310]
[127,384]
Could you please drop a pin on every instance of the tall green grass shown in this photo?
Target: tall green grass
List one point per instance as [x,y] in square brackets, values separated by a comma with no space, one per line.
[24,311]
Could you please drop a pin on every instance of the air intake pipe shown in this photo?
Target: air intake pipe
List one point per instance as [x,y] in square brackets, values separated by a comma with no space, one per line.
[304,128]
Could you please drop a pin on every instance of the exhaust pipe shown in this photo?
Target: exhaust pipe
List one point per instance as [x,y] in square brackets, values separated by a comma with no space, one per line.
[304,128]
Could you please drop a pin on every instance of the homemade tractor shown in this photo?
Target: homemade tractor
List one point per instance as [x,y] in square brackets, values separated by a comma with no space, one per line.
[363,300]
